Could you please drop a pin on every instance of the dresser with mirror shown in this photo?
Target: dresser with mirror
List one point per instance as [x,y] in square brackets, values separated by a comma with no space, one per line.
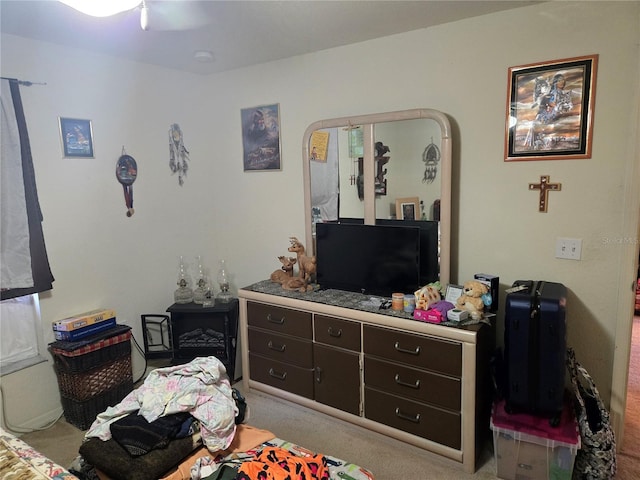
[333,350]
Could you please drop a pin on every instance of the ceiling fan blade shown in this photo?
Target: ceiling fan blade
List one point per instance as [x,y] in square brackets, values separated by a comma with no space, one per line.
[176,15]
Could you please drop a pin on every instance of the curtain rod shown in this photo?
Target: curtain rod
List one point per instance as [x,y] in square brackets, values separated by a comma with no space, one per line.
[25,83]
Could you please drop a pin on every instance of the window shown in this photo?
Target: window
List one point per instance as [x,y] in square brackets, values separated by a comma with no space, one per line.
[20,333]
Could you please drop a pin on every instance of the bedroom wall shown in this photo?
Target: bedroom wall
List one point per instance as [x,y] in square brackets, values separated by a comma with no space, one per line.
[101,258]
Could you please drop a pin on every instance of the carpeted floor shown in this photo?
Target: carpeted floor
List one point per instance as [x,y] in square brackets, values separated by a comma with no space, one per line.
[386,458]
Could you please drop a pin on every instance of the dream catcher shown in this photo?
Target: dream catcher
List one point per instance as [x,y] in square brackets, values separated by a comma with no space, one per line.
[431,158]
[178,154]
[126,173]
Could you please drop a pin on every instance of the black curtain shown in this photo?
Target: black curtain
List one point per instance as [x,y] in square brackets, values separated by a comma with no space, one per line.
[42,276]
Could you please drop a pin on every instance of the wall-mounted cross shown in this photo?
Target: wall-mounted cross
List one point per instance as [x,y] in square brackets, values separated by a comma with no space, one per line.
[544,186]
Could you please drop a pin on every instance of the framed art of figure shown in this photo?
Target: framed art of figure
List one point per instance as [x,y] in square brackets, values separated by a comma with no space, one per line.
[550,110]
[261,138]
[77,138]
[407,208]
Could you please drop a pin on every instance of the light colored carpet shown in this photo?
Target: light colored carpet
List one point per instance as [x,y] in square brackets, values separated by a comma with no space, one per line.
[386,458]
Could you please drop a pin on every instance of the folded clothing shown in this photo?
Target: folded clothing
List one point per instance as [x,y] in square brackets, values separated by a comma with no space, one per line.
[138,436]
[110,458]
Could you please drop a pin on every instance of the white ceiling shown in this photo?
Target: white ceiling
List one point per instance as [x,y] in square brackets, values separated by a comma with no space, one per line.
[238,33]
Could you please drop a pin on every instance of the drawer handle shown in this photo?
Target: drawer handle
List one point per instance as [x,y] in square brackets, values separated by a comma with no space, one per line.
[279,376]
[412,418]
[416,384]
[275,320]
[337,334]
[415,351]
[318,374]
[280,348]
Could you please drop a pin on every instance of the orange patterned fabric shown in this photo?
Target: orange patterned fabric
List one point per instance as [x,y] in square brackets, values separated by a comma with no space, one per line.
[275,463]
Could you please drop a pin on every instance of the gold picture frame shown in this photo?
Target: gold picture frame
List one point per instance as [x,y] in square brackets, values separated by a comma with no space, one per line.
[408,208]
[550,109]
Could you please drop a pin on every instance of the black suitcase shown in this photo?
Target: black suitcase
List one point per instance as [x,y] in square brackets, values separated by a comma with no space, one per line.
[535,348]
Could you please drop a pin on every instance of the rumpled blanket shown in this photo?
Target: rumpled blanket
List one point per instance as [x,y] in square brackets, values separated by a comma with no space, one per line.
[200,387]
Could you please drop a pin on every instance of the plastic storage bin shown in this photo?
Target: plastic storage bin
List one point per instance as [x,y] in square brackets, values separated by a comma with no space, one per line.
[527,447]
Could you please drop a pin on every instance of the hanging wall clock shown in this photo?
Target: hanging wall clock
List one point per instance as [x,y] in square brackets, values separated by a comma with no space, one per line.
[126,173]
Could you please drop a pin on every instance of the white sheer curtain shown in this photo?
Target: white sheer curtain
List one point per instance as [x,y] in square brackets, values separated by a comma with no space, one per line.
[24,267]
[19,321]
[15,254]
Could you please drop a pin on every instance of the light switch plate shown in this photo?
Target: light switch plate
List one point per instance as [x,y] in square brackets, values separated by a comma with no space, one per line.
[569,248]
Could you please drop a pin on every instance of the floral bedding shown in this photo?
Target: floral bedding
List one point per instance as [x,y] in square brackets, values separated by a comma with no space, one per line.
[20,461]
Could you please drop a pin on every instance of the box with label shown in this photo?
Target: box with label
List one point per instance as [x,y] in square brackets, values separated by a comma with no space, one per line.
[493,283]
[83,320]
[527,446]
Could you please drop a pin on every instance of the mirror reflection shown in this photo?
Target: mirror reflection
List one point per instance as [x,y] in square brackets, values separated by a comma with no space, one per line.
[382,167]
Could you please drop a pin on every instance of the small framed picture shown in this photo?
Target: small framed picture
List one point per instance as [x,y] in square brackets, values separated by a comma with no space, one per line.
[407,208]
[453,293]
[261,138]
[77,138]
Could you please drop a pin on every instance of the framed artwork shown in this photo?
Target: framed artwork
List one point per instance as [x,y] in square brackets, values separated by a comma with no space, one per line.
[261,138]
[550,110]
[407,208]
[77,137]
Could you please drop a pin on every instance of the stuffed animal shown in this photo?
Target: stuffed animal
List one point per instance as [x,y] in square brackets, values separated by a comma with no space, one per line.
[426,296]
[471,298]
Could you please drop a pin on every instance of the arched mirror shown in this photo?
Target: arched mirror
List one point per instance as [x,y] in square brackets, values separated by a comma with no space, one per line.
[378,168]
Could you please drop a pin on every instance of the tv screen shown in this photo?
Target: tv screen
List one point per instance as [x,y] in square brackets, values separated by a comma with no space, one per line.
[429,244]
[370,259]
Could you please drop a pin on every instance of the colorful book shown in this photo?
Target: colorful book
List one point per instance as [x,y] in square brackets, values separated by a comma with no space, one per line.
[83,320]
[80,333]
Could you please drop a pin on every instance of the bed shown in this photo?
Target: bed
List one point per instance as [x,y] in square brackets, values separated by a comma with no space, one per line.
[20,461]
[111,462]
[183,423]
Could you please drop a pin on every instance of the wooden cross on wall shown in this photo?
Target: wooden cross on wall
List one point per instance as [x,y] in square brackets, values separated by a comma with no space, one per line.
[544,186]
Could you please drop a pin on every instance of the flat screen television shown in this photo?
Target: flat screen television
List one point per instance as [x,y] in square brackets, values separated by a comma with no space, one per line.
[429,244]
[370,259]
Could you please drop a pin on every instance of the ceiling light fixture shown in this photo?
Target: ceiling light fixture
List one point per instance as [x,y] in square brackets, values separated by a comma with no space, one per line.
[144,16]
[102,8]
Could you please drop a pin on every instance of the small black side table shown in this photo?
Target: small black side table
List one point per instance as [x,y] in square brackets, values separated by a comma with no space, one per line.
[199,331]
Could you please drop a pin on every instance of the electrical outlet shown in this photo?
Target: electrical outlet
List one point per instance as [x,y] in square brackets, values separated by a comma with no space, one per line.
[569,248]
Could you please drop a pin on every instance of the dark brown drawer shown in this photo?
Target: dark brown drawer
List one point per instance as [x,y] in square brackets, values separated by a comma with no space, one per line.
[281,375]
[337,332]
[421,385]
[416,350]
[282,348]
[438,425]
[278,319]
[337,378]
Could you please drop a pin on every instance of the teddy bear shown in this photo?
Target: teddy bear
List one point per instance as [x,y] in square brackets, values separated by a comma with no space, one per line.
[471,298]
